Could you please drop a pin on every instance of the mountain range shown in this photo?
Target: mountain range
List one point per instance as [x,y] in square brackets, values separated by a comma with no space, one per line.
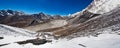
[20,19]
[96,26]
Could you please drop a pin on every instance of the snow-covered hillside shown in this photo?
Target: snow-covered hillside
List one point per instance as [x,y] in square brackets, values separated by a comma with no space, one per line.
[100,7]
[102,41]
[8,30]
[11,35]
[103,6]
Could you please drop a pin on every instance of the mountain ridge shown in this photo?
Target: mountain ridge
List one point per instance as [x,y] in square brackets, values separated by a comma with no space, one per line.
[20,19]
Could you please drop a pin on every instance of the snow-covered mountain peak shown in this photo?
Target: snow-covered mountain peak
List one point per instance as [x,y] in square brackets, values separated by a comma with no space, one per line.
[103,6]
[100,7]
[10,13]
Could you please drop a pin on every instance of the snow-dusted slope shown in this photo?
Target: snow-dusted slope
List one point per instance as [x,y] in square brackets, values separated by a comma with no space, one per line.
[103,6]
[13,34]
[10,35]
[8,30]
[100,7]
[102,41]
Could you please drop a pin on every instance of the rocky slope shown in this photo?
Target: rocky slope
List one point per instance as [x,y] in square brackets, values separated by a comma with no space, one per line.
[105,23]
[96,8]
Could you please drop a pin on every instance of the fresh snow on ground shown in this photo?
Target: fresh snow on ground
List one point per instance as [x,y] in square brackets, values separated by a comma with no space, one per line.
[12,39]
[8,30]
[102,41]
[13,34]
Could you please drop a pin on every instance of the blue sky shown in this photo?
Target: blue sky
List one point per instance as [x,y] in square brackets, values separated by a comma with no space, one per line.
[62,7]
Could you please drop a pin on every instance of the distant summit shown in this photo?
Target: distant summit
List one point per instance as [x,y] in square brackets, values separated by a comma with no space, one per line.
[10,13]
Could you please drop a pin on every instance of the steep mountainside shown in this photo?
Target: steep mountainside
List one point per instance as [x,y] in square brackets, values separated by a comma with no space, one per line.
[88,20]
[105,23]
[96,8]
[103,6]
[100,6]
